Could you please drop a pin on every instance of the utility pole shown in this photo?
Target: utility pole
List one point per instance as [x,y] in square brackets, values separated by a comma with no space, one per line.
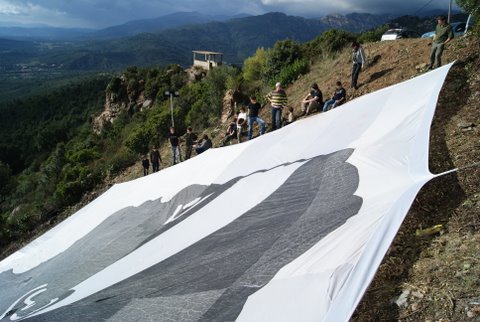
[171,94]
[449,11]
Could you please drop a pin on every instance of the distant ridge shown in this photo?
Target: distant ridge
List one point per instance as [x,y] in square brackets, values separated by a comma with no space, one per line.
[237,38]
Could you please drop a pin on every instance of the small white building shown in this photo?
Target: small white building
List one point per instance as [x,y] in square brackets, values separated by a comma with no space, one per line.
[207,59]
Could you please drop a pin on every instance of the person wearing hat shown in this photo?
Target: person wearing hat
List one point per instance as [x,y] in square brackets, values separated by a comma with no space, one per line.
[443,35]
[278,99]
[313,100]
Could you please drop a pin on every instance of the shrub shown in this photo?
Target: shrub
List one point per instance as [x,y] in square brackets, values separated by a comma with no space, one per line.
[139,139]
[290,73]
[283,53]
[373,35]
[6,181]
[472,7]
[254,66]
[121,160]
[84,156]
[329,42]
[115,85]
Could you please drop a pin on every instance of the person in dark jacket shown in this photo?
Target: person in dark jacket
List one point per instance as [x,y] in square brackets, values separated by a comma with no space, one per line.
[231,132]
[145,165]
[339,97]
[358,59]
[313,101]
[175,143]
[204,146]
[155,159]
[190,140]
[253,110]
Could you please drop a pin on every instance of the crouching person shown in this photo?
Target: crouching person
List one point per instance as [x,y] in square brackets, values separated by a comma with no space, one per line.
[204,146]
[231,132]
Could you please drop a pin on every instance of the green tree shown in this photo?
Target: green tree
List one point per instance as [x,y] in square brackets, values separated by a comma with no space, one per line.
[471,6]
[216,82]
[283,53]
[290,73]
[329,42]
[254,66]
[139,140]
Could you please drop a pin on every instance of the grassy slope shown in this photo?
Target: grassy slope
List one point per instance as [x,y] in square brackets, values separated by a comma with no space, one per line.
[441,271]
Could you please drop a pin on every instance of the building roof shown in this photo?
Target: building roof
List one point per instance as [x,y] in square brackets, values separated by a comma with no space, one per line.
[207,52]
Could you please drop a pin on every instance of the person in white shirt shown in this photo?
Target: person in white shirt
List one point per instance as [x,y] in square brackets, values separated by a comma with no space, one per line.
[241,122]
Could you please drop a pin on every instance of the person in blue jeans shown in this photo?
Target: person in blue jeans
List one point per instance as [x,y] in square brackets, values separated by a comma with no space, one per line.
[253,110]
[339,97]
[175,143]
[278,99]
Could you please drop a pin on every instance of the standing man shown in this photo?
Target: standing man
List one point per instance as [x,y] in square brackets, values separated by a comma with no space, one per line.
[278,99]
[443,35]
[358,58]
[155,159]
[190,139]
[253,109]
[175,143]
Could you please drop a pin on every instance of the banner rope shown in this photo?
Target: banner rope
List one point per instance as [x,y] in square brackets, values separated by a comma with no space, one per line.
[476,164]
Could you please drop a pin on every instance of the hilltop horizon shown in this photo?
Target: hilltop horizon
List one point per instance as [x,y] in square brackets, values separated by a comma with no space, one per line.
[99,14]
[27,31]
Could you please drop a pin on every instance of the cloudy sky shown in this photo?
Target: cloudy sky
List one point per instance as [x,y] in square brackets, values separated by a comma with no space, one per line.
[103,13]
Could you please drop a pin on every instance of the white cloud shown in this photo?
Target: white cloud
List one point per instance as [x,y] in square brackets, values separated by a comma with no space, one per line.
[102,13]
[7,8]
[28,12]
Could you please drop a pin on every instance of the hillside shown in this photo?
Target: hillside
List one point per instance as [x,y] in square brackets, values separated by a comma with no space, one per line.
[438,273]
[451,200]
[439,280]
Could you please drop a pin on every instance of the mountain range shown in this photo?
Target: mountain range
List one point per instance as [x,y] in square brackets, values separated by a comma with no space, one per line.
[170,39]
[48,33]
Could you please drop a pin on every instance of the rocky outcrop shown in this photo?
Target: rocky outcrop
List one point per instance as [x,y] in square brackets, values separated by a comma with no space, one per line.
[228,106]
[231,102]
[195,74]
[122,95]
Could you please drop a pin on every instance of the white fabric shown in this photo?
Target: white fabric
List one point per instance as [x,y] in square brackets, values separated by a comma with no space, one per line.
[389,132]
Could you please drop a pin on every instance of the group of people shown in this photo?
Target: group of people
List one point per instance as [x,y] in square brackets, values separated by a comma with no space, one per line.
[244,120]
[314,99]
[154,159]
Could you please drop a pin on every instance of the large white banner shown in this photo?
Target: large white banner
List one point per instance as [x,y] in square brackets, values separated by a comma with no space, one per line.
[290,226]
